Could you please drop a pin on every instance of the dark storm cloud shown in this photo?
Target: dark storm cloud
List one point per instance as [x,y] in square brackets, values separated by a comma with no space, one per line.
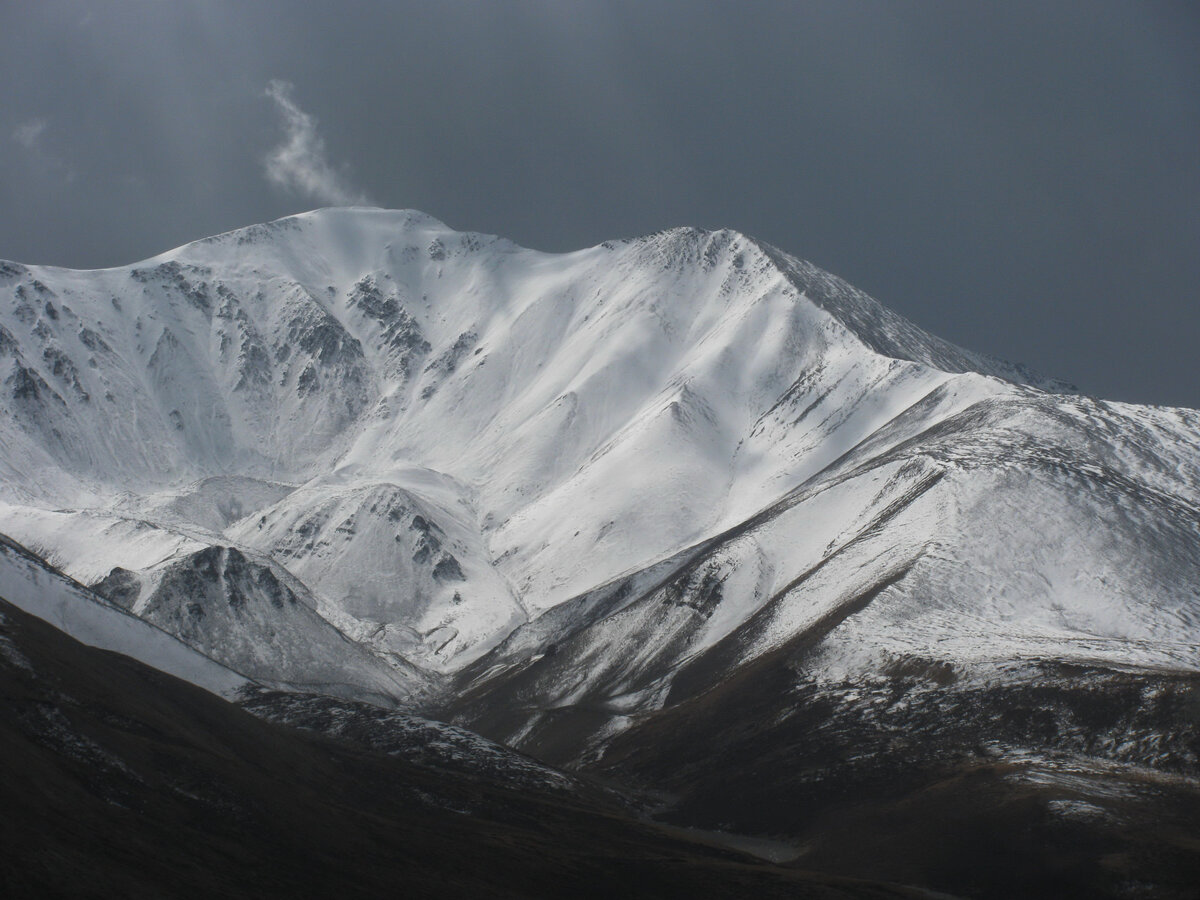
[1022,178]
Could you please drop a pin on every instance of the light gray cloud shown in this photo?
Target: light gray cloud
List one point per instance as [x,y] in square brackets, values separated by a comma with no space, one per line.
[298,163]
[27,134]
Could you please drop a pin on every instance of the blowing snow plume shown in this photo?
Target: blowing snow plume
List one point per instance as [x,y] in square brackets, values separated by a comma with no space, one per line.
[298,163]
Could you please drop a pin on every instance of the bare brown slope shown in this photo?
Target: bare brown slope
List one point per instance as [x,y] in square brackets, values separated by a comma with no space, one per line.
[119,781]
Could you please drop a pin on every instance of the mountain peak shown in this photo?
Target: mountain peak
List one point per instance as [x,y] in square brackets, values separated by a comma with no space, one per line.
[440,406]
[358,241]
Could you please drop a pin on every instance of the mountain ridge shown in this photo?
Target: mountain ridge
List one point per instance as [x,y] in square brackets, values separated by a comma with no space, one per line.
[747,360]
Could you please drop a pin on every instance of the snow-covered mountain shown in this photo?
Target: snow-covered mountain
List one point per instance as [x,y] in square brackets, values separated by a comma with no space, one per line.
[645,507]
[442,437]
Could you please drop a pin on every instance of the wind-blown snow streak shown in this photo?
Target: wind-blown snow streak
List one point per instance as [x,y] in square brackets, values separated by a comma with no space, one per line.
[299,163]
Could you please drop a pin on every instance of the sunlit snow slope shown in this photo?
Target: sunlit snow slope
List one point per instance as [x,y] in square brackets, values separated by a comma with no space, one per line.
[439,451]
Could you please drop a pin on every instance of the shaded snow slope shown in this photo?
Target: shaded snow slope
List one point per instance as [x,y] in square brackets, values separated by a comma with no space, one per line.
[246,612]
[30,584]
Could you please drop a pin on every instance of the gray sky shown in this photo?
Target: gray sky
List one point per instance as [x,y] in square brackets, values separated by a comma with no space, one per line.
[1020,178]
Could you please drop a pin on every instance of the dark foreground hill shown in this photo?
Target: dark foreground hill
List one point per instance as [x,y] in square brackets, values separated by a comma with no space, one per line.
[120,781]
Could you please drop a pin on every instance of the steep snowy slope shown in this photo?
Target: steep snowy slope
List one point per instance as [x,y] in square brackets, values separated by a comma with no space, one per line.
[687,447]
[976,546]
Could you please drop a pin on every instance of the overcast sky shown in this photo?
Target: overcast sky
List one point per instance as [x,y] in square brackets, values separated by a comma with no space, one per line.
[1020,178]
